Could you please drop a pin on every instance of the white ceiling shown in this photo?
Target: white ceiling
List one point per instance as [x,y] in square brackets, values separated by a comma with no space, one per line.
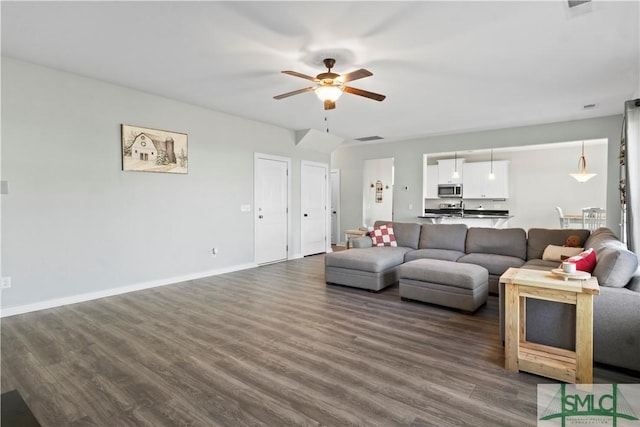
[445,66]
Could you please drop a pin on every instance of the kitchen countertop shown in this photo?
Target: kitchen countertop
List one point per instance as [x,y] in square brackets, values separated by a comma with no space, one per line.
[466,213]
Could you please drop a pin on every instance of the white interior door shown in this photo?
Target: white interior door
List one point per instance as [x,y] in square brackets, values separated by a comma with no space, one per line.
[335,207]
[314,203]
[272,208]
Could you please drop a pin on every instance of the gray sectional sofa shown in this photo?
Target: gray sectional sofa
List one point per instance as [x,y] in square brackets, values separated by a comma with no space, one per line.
[616,309]
[375,268]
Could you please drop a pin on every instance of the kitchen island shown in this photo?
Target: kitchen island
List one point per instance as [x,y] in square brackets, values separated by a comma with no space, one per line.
[471,217]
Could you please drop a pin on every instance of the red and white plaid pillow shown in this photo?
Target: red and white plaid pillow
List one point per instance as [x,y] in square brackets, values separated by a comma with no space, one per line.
[383,236]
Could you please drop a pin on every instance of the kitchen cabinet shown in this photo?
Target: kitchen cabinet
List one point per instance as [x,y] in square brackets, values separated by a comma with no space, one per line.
[430,184]
[446,168]
[477,185]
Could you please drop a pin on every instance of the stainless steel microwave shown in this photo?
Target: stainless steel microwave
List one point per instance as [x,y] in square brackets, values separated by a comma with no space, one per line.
[449,190]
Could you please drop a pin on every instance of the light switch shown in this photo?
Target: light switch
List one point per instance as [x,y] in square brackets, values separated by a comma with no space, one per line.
[245,208]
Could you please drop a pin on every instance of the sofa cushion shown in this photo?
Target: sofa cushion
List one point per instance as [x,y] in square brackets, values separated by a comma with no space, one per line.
[540,238]
[383,236]
[407,233]
[441,254]
[495,264]
[376,259]
[510,242]
[443,236]
[559,253]
[603,238]
[615,267]
[634,283]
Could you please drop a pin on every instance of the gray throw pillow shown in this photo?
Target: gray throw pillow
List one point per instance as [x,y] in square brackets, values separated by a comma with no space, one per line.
[615,267]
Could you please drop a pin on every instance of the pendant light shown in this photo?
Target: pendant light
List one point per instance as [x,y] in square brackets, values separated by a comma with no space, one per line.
[582,176]
[492,176]
[455,175]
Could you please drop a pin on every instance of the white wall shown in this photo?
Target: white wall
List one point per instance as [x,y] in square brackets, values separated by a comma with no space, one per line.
[374,170]
[408,162]
[74,224]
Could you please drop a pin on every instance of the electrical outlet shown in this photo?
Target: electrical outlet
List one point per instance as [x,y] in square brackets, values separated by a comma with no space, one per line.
[5,283]
[410,206]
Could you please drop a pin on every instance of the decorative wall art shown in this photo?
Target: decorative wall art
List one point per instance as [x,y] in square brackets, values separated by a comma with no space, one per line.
[153,150]
[378,191]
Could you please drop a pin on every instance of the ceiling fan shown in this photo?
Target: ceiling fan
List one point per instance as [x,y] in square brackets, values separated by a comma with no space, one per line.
[329,86]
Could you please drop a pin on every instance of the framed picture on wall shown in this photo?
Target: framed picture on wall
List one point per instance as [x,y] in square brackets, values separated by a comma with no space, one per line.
[153,150]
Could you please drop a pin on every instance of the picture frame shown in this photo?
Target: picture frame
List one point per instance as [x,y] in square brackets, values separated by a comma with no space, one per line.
[154,150]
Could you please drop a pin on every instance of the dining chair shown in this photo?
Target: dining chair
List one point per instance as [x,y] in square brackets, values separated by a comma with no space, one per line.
[593,218]
[564,222]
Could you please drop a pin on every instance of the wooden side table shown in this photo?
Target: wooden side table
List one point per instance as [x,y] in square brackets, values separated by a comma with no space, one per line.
[521,355]
[353,234]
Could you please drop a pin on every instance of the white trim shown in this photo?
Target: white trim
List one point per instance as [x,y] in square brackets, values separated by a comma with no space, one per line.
[338,202]
[74,299]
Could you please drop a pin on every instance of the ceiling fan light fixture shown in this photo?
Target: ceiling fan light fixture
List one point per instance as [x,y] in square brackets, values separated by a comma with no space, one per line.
[328,93]
[329,86]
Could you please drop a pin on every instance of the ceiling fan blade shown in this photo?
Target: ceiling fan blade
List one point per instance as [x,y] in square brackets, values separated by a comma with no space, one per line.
[365,93]
[295,92]
[354,75]
[302,76]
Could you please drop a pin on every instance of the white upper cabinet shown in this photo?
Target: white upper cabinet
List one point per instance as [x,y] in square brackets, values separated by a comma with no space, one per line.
[430,184]
[446,169]
[477,185]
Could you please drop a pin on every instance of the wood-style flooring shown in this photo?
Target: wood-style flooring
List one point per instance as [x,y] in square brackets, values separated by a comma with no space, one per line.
[269,346]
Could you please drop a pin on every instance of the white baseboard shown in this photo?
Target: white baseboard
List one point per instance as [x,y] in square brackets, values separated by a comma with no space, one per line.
[74,299]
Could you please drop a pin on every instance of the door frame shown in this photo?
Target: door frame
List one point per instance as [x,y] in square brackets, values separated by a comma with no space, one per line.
[327,203]
[338,180]
[264,156]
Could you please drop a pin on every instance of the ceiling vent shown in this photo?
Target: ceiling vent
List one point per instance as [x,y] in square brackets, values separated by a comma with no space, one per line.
[369,138]
[576,3]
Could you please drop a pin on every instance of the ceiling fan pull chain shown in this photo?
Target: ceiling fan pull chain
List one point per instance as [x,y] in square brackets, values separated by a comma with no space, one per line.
[327,123]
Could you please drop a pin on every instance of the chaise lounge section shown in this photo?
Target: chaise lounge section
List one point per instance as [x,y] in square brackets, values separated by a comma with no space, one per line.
[373,267]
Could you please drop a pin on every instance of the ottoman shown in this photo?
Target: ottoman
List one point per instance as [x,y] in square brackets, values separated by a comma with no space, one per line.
[451,284]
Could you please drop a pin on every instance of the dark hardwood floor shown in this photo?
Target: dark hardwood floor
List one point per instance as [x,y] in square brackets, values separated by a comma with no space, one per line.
[270,346]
